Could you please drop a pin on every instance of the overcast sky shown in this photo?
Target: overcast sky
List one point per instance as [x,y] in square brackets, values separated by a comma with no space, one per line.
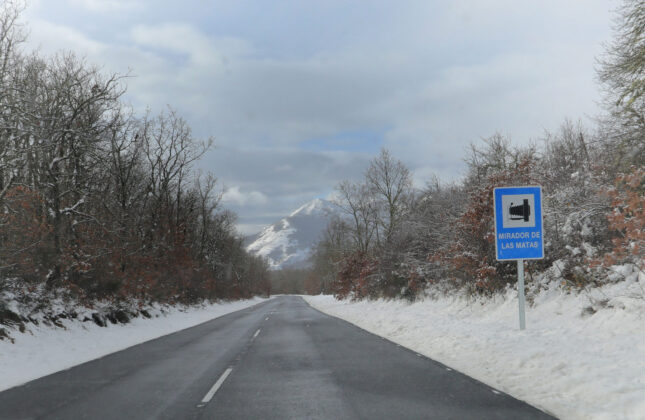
[301,94]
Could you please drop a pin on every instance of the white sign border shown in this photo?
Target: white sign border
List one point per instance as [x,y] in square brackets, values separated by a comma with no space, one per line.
[541,221]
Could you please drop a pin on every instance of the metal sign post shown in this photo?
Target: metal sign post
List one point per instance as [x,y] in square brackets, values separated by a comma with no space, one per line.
[519,234]
[520,292]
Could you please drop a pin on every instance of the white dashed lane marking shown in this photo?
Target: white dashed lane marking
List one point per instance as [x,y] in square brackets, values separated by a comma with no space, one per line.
[216,386]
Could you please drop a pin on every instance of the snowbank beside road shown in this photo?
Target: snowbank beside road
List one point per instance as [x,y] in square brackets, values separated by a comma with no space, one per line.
[577,359]
[43,350]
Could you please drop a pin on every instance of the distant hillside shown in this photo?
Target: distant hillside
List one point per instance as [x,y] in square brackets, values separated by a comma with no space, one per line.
[288,243]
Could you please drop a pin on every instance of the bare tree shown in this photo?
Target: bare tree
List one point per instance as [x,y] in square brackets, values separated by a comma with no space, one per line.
[208,202]
[12,34]
[622,73]
[357,203]
[390,183]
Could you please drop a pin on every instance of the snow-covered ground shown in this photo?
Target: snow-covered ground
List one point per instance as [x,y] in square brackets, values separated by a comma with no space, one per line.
[43,350]
[582,355]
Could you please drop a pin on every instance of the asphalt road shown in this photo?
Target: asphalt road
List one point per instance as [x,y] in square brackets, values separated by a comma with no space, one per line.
[277,360]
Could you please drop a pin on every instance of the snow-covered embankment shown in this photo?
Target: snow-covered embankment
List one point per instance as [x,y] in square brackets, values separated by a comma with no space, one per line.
[43,350]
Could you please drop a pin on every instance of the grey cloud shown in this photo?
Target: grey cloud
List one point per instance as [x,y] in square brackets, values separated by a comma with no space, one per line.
[433,75]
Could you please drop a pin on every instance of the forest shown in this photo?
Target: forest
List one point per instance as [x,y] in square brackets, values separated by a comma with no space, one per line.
[99,202]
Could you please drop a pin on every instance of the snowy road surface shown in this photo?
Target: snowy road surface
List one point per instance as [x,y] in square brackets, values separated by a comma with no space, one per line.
[277,360]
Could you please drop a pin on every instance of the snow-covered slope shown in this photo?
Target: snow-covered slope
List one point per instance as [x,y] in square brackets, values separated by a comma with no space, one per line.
[287,243]
[44,349]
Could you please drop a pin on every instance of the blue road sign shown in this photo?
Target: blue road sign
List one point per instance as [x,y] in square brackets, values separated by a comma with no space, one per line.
[518,223]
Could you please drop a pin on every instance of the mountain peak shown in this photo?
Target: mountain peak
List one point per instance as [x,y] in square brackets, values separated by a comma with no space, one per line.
[288,242]
[317,205]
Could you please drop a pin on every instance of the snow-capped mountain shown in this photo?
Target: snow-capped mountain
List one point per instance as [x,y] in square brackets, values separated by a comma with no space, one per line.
[288,243]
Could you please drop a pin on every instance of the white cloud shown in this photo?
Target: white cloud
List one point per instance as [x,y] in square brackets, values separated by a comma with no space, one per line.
[235,196]
[109,6]
[50,37]
[205,53]
[284,168]
[174,37]
[247,229]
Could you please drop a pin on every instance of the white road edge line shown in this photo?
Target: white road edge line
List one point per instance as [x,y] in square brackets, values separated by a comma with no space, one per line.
[217,385]
[257,332]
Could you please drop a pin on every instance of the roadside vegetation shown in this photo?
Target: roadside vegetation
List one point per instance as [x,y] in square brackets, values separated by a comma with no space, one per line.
[99,204]
[395,241]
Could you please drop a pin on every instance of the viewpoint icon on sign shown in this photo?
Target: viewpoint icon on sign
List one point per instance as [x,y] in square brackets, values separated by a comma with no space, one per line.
[518,211]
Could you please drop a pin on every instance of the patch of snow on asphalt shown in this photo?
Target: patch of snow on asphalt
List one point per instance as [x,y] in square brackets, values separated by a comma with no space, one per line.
[44,350]
[572,361]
